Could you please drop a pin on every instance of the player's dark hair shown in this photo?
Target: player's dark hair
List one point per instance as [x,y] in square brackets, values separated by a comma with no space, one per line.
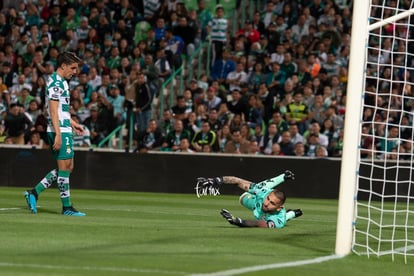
[280,195]
[67,58]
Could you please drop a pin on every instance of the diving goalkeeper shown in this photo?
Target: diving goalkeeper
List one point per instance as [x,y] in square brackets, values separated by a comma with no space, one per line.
[262,198]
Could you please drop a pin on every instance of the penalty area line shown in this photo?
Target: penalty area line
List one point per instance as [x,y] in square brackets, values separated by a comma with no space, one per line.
[269,266]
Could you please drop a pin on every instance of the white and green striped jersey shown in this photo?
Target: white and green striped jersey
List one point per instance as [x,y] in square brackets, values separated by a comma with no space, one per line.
[218,29]
[57,89]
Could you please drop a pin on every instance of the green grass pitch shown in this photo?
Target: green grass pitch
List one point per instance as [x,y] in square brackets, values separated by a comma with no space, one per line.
[128,233]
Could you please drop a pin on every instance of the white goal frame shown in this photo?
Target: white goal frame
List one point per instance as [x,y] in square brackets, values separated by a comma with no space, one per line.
[350,156]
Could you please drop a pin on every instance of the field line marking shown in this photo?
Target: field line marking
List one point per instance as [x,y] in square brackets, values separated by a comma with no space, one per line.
[269,266]
[10,209]
[91,268]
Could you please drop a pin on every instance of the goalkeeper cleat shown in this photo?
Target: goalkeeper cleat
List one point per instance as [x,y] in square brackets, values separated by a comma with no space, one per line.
[70,211]
[31,199]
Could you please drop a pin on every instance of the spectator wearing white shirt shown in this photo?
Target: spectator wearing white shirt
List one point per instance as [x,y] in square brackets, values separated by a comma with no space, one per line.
[83,140]
[269,14]
[279,55]
[218,33]
[296,137]
[95,80]
[16,89]
[237,77]
[300,29]
[212,100]
[331,65]
[315,129]
[162,65]
[83,29]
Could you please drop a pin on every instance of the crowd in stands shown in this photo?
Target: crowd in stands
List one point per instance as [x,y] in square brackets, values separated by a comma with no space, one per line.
[276,87]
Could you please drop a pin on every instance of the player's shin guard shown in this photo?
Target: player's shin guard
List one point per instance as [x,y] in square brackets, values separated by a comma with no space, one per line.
[46,182]
[63,186]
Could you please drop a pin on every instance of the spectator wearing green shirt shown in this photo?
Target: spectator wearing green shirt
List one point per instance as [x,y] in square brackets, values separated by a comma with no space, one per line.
[141,30]
[71,21]
[203,17]
[275,79]
[25,98]
[114,60]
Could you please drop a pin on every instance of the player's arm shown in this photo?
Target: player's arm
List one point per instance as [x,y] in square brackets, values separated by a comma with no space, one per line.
[244,184]
[272,183]
[54,115]
[255,223]
[216,182]
[241,222]
[240,182]
[77,127]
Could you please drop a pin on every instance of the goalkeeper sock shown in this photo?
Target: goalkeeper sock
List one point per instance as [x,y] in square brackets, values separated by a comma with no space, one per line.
[46,182]
[290,214]
[273,182]
[63,186]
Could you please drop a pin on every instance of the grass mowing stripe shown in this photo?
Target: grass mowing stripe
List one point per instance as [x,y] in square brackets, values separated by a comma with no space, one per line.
[132,233]
[89,268]
[220,273]
[256,268]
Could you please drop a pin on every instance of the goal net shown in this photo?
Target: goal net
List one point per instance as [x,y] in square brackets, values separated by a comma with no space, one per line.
[379,151]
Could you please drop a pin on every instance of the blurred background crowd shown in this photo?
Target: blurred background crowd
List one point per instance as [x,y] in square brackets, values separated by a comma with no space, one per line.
[274,80]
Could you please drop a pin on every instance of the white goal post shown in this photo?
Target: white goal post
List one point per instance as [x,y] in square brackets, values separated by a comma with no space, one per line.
[352,121]
[385,207]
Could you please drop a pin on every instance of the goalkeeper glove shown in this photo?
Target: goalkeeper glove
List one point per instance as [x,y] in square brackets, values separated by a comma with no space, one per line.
[208,186]
[232,219]
[289,175]
[214,182]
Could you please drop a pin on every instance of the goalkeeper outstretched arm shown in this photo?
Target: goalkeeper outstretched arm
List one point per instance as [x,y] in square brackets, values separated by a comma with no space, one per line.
[240,182]
[242,222]
[290,214]
[245,185]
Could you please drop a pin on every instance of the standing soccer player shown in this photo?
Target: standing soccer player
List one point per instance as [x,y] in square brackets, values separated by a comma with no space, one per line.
[262,198]
[60,136]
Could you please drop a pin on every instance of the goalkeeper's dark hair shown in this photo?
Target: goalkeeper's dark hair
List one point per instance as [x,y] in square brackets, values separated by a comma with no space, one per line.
[280,195]
[67,58]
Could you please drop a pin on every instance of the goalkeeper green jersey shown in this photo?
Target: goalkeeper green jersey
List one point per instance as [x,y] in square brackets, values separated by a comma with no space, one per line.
[253,200]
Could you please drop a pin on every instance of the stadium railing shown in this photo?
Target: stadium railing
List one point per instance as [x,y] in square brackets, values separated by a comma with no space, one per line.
[115,137]
[198,57]
[167,89]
